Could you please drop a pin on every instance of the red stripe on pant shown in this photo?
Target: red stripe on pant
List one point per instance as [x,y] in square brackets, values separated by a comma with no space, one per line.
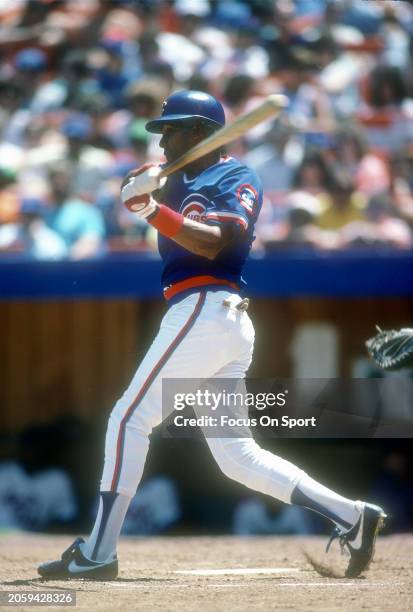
[121,436]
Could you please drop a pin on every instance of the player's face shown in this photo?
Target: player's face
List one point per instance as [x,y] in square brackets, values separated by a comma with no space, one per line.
[176,140]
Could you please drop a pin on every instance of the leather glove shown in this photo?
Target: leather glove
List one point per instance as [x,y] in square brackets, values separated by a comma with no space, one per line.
[392,349]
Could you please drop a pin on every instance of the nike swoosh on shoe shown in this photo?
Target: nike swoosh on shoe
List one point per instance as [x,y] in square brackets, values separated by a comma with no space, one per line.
[74,568]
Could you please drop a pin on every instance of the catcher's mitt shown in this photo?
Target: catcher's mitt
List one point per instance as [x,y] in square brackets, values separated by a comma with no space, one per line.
[392,349]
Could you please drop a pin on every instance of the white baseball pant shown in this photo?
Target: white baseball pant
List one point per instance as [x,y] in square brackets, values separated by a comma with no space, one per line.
[199,337]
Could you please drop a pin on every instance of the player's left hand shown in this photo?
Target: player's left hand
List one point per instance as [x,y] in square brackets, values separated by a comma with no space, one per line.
[143,180]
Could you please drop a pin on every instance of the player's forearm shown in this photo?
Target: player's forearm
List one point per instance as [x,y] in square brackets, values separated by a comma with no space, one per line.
[204,240]
[198,238]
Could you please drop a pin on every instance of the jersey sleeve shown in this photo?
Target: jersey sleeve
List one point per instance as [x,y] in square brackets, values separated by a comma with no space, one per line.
[237,199]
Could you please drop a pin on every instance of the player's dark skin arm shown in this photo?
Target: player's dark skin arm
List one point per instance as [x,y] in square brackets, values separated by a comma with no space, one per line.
[204,240]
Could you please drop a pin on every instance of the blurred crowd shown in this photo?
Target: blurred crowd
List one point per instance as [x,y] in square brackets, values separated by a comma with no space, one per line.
[79,79]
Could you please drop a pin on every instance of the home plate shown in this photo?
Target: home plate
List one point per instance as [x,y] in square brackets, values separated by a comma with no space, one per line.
[238,571]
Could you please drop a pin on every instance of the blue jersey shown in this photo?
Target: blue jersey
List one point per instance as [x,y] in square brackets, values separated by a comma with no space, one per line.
[226,192]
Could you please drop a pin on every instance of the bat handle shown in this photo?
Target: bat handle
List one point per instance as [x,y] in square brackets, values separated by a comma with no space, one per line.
[170,168]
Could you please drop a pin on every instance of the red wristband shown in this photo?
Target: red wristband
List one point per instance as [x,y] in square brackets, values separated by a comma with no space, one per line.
[166,221]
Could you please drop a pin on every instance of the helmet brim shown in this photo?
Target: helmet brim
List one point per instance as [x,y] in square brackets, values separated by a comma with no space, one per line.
[155,126]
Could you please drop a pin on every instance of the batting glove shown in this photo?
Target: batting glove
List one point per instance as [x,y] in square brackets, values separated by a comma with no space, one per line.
[143,205]
[136,189]
[144,180]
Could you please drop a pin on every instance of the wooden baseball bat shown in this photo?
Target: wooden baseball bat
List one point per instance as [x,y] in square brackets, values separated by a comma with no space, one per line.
[271,106]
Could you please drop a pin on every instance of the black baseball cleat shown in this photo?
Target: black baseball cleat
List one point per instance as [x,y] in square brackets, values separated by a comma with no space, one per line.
[73,565]
[361,538]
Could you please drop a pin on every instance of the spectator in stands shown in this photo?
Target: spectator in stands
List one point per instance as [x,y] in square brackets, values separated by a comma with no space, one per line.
[237,92]
[153,59]
[169,55]
[277,158]
[9,197]
[313,175]
[110,74]
[310,108]
[139,140]
[10,99]
[352,156]
[381,227]
[394,31]
[401,184]
[90,163]
[75,77]
[191,16]
[75,69]
[77,221]
[124,230]
[387,87]
[28,71]
[297,221]
[303,210]
[247,54]
[281,37]
[388,114]
[31,236]
[144,98]
[295,227]
[341,203]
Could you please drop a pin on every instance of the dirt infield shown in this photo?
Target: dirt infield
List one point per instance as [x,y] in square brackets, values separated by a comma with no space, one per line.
[261,573]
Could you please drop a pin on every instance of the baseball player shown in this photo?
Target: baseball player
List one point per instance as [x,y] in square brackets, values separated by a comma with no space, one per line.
[205,218]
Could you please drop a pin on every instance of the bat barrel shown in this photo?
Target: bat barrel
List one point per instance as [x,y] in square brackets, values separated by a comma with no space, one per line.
[271,106]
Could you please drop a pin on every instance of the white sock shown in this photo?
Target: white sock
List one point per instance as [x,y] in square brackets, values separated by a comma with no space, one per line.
[317,497]
[102,542]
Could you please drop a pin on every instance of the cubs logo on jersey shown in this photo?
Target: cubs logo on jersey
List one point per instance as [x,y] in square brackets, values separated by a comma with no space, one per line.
[194,207]
[247,196]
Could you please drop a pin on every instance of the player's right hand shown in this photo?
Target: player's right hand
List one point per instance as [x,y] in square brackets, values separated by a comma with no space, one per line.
[141,181]
[143,205]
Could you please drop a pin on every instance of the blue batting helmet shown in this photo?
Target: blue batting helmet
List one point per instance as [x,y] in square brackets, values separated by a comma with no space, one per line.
[188,107]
